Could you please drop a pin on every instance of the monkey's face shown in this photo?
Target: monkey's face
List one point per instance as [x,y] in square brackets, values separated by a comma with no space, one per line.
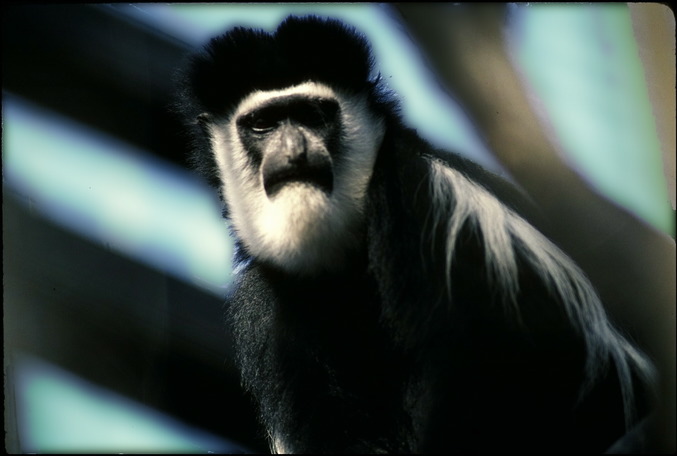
[295,165]
[289,139]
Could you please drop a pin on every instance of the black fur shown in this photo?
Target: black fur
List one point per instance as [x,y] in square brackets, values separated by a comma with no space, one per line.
[380,357]
[234,64]
[377,361]
[242,60]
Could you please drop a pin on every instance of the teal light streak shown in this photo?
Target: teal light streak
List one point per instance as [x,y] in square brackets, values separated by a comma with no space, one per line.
[115,195]
[58,412]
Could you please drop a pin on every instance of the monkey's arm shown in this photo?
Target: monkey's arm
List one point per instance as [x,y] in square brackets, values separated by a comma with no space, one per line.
[631,264]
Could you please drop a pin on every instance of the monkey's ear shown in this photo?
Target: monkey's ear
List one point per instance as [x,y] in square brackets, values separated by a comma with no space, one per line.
[203,120]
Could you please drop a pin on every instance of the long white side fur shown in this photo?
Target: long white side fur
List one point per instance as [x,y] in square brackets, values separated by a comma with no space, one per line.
[302,229]
[507,235]
[277,445]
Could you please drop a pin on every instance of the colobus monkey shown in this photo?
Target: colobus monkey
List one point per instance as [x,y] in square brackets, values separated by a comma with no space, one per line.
[390,297]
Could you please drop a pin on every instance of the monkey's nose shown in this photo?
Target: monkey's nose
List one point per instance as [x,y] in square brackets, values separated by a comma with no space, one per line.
[294,145]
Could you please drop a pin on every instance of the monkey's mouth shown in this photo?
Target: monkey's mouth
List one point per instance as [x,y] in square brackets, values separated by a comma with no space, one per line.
[321,177]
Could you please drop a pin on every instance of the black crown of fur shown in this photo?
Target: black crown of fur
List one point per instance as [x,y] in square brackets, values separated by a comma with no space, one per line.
[301,49]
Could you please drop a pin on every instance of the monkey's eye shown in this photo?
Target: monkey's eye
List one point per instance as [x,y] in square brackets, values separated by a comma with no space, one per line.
[262,124]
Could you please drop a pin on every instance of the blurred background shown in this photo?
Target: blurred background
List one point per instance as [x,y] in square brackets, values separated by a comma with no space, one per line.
[116,261]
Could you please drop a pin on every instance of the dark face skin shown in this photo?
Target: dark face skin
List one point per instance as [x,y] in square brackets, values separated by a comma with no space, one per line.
[292,139]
